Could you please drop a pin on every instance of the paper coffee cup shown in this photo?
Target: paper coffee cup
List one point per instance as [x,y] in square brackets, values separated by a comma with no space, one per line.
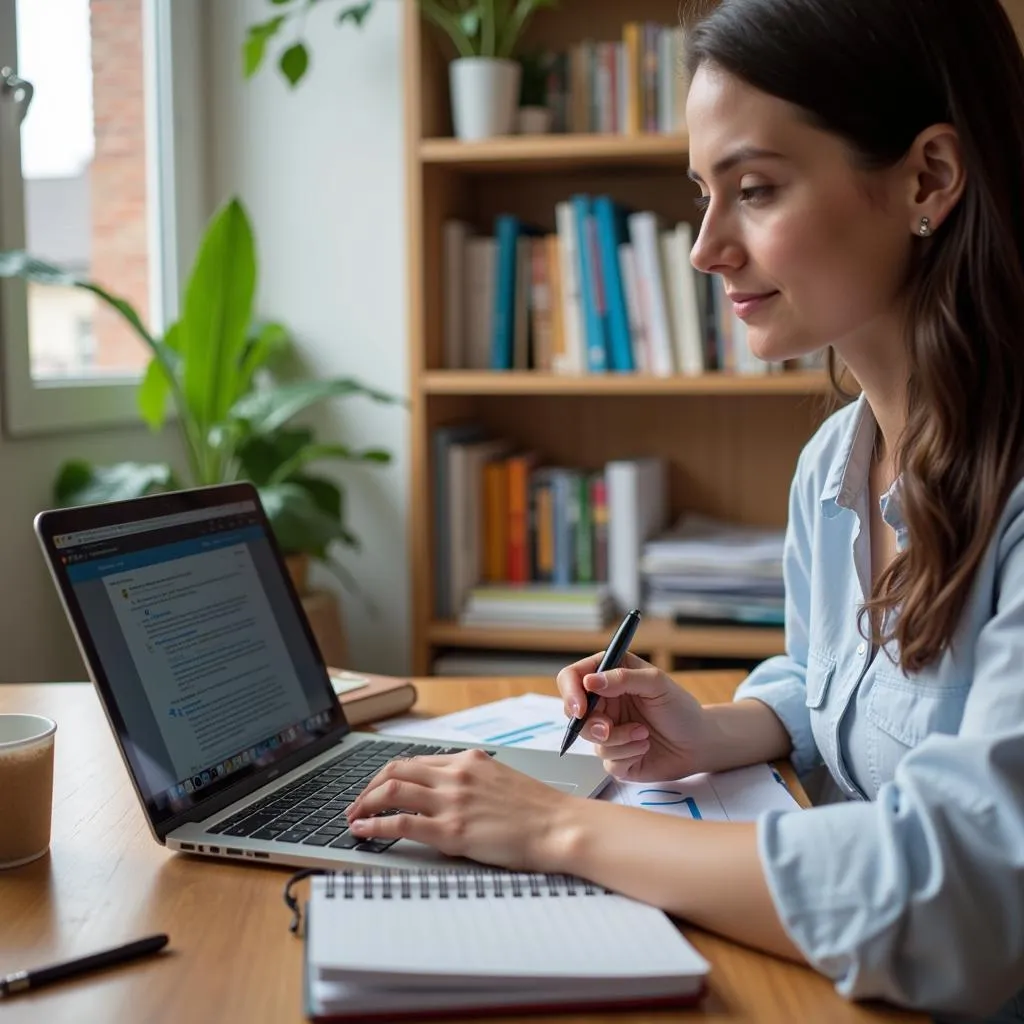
[26,787]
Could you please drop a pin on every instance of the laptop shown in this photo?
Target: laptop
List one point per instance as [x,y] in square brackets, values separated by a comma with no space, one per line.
[216,692]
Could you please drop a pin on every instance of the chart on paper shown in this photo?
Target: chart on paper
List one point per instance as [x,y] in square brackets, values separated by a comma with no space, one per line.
[537,722]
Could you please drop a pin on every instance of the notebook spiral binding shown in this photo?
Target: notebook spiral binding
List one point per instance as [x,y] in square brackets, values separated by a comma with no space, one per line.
[425,884]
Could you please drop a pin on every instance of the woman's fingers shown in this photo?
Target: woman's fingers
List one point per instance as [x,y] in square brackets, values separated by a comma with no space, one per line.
[570,680]
[420,827]
[418,771]
[623,752]
[600,729]
[394,795]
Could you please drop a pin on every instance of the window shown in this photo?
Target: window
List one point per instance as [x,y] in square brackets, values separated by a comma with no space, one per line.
[88,181]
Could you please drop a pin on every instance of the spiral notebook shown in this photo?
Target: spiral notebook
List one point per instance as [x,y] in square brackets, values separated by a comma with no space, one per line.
[406,944]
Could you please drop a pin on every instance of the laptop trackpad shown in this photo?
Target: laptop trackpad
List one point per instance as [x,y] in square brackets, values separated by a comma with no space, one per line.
[565,787]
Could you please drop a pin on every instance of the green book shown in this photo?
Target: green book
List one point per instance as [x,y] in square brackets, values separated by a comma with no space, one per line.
[584,531]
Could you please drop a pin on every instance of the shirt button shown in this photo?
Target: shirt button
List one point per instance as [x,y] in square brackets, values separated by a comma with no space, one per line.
[861,649]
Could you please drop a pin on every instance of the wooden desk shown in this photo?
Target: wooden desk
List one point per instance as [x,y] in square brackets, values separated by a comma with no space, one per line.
[106,881]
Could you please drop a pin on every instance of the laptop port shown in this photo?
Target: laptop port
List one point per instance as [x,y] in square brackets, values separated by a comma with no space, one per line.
[262,856]
[214,849]
[232,853]
[187,846]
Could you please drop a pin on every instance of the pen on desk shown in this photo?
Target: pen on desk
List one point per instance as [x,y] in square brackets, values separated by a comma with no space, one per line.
[612,656]
[25,981]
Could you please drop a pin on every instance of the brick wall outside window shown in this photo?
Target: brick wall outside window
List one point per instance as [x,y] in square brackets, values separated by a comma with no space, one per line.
[119,259]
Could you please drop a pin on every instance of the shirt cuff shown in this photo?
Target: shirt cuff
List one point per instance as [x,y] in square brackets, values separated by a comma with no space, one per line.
[787,697]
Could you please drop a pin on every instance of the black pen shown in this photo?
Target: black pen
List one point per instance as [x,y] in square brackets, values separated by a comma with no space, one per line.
[25,981]
[612,656]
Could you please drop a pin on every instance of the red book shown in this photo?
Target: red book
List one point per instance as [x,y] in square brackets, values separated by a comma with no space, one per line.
[518,562]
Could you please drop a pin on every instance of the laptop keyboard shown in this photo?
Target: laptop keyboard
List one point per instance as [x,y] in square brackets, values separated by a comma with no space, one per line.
[311,810]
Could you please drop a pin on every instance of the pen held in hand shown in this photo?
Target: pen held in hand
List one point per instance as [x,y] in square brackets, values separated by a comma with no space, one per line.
[25,981]
[614,653]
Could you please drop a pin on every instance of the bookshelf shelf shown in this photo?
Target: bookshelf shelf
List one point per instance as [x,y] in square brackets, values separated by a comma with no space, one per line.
[556,152]
[654,637]
[482,382]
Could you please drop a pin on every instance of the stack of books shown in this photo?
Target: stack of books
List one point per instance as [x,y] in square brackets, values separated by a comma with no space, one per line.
[610,290]
[705,570]
[517,542]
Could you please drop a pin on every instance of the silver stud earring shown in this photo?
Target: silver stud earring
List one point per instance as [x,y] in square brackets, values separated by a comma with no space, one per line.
[925,228]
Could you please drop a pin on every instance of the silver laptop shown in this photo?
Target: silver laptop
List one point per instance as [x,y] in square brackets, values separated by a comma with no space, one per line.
[216,691]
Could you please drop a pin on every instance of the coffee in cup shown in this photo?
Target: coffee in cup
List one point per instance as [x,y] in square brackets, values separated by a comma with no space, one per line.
[26,787]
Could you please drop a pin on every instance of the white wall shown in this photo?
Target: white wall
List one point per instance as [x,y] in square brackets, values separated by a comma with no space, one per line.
[320,170]
[35,642]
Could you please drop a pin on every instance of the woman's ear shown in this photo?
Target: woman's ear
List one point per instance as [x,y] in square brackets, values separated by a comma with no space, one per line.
[936,178]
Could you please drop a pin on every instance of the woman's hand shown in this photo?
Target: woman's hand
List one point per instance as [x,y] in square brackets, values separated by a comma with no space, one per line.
[466,805]
[645,726]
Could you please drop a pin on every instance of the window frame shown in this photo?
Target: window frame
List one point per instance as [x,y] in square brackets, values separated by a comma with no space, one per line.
[171,66]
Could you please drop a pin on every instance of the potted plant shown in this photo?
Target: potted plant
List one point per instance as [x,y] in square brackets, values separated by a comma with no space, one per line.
[216,368]
[484,78]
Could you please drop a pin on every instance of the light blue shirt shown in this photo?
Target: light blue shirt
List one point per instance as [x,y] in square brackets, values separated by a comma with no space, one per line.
[911,889]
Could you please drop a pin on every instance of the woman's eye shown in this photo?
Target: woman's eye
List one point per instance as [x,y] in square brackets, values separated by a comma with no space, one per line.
[756,193]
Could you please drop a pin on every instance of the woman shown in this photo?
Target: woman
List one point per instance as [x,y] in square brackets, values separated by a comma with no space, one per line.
[862,175]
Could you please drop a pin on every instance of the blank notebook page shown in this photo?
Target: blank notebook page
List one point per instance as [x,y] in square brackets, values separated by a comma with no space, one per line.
[488,930]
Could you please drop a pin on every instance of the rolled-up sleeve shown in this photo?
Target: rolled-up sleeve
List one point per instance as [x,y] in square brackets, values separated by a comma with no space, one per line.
[918,896]
[781,682]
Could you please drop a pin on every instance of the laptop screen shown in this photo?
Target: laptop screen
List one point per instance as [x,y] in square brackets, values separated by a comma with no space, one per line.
[195,634]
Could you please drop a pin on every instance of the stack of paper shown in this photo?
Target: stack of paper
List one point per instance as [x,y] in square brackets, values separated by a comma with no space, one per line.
[538,605]
[706,569]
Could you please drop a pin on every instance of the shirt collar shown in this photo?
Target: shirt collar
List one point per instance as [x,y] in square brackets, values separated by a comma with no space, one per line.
[848,474]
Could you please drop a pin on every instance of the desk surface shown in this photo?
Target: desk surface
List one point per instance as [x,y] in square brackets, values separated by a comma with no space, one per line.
[105,881]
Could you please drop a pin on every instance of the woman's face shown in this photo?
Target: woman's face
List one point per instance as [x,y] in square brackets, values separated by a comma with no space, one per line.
[812,251]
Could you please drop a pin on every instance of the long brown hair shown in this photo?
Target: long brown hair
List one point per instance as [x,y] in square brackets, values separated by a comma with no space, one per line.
[876,73]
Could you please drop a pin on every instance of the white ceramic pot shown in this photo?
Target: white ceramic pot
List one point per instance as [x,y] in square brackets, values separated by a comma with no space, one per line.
[534,120]
[485,95]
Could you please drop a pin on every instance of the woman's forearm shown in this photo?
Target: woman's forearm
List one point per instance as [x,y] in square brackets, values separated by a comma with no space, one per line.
[706,872]
[741,733]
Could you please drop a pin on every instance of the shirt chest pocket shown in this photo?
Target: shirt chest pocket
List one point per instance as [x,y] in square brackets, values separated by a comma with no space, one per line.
[902,712]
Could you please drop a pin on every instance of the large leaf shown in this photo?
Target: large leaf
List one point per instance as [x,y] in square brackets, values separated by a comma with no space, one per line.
[317,452]
[215,321]
[271,408]
[81,483]
[299,524]
[157,381]
[16,263]
[261,455]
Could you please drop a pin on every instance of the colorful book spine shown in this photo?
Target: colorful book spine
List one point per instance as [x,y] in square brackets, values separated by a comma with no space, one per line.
[590,285]
[611,232]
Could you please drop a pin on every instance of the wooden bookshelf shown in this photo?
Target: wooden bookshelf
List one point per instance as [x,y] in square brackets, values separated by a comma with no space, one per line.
[731,441]
[657,640]
[477,382]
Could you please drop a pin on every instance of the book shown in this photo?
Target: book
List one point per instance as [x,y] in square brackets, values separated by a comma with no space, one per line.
[405,944]
[366,697]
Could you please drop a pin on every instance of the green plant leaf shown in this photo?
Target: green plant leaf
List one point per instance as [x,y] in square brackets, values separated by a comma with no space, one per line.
[155,386]
[294,63]
[299,524]
[260,455]
[80,483]
[356,13]
[281,3]
[318,452]
[255,45]
[270,409]
[265,343]
[214,324]
[328,495]
[516,23]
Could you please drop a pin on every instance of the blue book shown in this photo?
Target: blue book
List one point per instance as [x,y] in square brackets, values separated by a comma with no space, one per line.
[591,291]
[611,233]
[507,228]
